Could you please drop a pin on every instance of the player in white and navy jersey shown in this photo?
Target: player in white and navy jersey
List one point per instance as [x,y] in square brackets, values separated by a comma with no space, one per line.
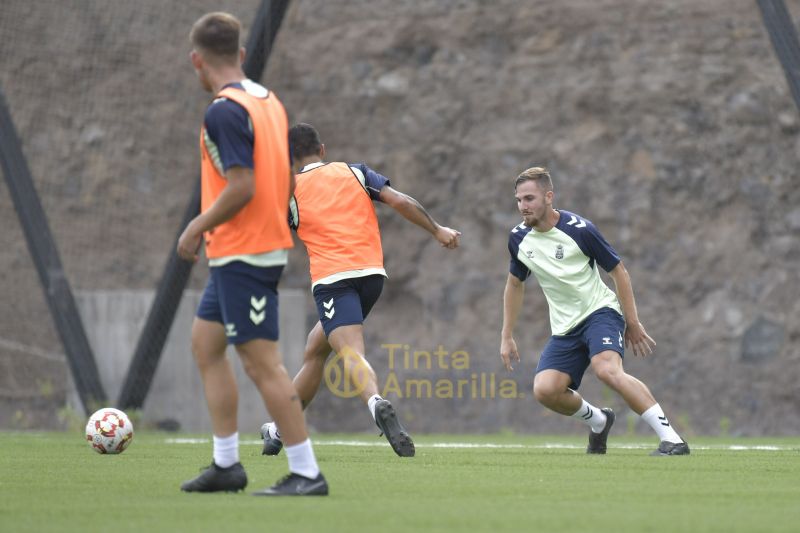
[590,323]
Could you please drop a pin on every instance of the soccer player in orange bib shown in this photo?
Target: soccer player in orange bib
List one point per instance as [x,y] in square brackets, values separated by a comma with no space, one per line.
[246,185]
[333,215]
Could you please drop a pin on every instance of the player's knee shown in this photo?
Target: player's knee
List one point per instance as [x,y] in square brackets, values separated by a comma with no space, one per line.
[258,369]
[255,363]
[310,341]
[609,374]
[316,346]
[314,354]
[545,393]
[202,355]
[311,360]
[251,367]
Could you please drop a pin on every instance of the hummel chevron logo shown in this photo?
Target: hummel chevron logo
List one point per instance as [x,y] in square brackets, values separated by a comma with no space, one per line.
[258,305]
[588,414]
[257,318]
[575,219]
[329,305]
[664,421]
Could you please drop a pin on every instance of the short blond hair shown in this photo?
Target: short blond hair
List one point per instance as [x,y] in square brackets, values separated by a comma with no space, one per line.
[538,174]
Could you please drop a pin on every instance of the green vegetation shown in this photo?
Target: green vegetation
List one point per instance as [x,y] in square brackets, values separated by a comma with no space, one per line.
[54,482]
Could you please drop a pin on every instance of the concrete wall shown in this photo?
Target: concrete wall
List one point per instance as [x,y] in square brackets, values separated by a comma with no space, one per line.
[113,322]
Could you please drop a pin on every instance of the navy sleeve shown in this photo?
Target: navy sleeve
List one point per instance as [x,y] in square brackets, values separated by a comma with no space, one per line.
[228,126]
[589,239]
[374,182]
[600,249]
[516,268]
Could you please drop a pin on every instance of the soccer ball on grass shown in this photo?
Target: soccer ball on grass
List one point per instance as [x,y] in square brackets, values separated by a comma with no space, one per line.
[109,430]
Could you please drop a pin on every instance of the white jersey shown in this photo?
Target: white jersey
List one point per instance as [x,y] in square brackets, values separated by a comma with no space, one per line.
[564,261]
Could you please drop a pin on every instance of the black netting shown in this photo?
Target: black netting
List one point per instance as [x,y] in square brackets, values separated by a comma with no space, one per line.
[107,109]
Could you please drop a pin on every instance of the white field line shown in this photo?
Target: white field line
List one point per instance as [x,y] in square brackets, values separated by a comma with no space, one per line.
[489,445]
[29,349]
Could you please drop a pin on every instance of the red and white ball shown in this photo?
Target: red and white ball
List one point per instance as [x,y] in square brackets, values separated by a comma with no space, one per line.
[109,430]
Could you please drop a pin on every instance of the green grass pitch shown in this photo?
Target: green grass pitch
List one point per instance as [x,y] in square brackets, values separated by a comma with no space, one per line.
[55,482]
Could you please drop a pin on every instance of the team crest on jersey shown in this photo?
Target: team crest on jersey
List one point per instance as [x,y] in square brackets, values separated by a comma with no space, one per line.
[559,252]
[529,254]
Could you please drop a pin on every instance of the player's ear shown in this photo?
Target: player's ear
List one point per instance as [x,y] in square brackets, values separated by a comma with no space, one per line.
[242,53]
[196,59]
[322,151]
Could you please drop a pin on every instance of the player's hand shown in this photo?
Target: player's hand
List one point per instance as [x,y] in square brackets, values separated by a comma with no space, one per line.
[637,339]
[508,352]
[448,237]
[189,243]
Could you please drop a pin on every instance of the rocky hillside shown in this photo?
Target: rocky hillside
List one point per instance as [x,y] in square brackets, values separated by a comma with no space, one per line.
[669,125]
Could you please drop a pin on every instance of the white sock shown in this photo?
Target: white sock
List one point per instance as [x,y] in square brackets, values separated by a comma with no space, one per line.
[657,420]
[371,403]
[592,416]
[302,460]
[226,450]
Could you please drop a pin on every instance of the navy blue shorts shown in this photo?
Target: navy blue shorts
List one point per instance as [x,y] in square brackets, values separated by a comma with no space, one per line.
[347,302]
[244,298]
[572,353]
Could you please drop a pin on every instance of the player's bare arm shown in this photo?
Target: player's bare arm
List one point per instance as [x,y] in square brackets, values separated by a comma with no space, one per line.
[513,296]
[635,335]
[237,193]
[413,211]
